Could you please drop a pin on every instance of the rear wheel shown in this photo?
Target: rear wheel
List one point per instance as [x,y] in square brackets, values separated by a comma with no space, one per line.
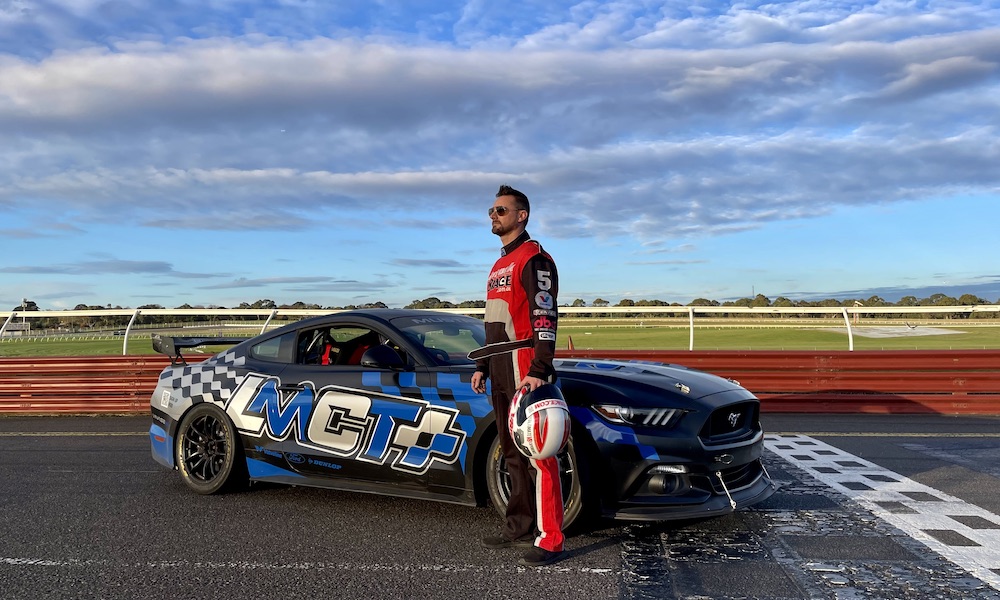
[573,477]
[209,454]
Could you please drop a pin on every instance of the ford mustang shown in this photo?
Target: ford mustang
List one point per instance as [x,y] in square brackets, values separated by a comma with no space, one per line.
[379,401]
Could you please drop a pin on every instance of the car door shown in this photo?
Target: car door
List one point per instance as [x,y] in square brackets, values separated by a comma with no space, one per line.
[365,423]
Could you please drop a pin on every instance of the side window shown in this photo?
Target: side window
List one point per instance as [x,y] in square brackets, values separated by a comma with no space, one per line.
[277,349]
[450,344]
[315,347]
[338,345]
[353,342]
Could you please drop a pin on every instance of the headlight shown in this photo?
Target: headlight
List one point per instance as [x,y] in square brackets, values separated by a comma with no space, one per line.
[646,417]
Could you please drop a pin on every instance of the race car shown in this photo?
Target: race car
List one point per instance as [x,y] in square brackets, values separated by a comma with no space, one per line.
[380,401]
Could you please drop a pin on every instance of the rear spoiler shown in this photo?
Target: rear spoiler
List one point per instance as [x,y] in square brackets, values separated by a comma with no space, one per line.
[171,346]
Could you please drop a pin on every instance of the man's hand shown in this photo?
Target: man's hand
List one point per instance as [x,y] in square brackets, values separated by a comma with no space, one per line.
[529,382]
[478,382]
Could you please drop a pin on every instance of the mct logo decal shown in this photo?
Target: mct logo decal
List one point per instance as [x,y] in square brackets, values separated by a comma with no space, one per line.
[404,433]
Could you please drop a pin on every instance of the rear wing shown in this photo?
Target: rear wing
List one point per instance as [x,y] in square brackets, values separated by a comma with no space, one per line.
[171,346]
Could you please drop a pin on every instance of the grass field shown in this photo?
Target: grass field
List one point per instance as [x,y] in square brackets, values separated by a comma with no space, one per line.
[607,334]
[756,337]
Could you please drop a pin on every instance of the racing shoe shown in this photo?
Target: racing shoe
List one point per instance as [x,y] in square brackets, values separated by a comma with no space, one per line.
[496,542]
[538,557]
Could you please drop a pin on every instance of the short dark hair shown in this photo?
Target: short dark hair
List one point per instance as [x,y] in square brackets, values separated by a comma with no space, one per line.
[522,200]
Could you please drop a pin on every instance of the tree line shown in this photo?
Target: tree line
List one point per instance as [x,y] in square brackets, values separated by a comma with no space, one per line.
[758,301]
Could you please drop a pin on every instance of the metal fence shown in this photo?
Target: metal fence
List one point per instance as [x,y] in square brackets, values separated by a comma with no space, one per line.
[265,318]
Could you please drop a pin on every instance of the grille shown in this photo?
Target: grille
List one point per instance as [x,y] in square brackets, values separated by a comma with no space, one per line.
[731,423]
[737,478]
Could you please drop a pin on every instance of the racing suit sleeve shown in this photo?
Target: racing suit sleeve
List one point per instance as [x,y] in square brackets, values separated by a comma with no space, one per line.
[541,284]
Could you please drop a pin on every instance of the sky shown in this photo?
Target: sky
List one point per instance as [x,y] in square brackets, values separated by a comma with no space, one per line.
[213,152]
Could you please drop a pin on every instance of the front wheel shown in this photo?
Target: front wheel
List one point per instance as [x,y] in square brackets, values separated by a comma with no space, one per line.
[572,477]
[209,454]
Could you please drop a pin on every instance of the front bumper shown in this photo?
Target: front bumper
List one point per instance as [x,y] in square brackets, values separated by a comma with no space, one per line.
[699,497]
[661,475]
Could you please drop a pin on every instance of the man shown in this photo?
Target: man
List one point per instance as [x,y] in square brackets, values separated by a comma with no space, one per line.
[521,304]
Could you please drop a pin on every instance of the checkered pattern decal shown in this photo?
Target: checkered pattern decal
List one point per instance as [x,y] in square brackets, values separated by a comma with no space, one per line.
[215,379]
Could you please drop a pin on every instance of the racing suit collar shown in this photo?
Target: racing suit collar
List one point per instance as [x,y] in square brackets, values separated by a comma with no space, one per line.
[524,237]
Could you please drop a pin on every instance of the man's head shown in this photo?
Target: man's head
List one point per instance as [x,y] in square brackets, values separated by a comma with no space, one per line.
[519,198]
[509,213]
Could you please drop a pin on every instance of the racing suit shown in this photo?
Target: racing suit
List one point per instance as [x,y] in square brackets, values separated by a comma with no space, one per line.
[521,304]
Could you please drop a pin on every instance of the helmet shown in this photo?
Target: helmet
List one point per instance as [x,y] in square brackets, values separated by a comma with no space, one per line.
[539,421]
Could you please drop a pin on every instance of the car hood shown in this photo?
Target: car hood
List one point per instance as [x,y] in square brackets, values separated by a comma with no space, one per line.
[621,376]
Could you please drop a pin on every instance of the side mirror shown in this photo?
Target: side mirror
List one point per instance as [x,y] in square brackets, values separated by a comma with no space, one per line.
[382,357]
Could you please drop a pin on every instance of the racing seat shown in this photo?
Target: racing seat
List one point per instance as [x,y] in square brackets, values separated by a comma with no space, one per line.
[359,351]
[355,349]
[325,356]
[317,348]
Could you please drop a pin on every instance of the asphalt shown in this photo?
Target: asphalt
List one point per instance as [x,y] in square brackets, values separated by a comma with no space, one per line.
[86,513]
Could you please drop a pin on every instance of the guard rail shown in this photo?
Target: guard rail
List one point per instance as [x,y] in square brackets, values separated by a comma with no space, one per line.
[875,381]
[880,381]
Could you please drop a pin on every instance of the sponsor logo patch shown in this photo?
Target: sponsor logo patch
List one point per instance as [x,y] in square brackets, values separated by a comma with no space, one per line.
[543,300]
[552,403]
[500,279]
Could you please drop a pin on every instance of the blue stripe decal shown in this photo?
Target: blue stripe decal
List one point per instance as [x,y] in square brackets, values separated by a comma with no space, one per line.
[431,395]
[468,425]
[613,434]
[479,404]
[374,379]
[461,392]
[259,469]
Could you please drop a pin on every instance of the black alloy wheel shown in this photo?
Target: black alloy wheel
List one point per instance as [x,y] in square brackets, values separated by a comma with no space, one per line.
[571,476]
[209,454]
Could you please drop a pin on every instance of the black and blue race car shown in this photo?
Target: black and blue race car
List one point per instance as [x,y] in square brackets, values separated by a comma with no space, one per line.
[380,401]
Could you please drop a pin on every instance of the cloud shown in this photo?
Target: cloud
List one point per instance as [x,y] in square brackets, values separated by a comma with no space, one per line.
[89,268]
[361,287]
[443,263]
[310,285]
[43,230]
[988,290]
[669,262]
[245,282]
[653,113]
[633,124]
[225,220]
[957,73]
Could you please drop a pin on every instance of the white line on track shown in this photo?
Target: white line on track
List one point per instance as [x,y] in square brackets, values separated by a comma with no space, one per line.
[962,533]
[310,566]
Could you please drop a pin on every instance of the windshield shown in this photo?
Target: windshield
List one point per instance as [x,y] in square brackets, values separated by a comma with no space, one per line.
[447,338]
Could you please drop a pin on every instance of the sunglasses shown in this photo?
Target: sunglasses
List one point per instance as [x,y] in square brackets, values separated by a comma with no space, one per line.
[499,210]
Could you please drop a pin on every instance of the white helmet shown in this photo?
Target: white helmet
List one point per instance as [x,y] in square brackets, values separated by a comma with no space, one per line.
[539,421]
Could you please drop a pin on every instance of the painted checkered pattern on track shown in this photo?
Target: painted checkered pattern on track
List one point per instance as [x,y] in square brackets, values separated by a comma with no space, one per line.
[962,533]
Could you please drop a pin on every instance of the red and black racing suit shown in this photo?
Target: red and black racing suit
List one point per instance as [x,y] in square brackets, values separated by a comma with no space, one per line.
[520,304]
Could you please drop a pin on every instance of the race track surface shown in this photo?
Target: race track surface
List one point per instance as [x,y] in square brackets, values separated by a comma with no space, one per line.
[867,507]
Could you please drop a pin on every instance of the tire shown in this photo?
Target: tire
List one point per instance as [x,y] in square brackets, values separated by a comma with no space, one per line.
[209,454]
[577,506]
